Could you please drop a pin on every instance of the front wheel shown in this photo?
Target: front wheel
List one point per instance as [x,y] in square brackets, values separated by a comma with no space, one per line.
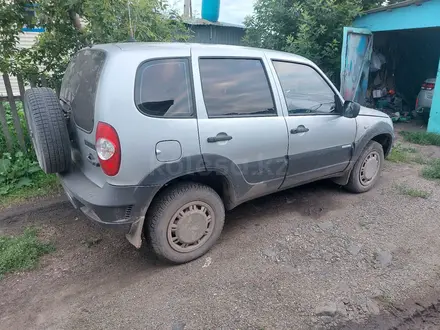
[185,221]
[366,172]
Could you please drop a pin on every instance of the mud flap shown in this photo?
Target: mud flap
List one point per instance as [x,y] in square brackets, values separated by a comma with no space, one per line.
[134,236]
[343,180]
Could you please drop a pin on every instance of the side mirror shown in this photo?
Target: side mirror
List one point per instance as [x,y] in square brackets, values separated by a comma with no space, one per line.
[351,109]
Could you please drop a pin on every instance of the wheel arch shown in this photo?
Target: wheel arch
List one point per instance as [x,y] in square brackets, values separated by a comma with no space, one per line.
[218,181]
[386,141]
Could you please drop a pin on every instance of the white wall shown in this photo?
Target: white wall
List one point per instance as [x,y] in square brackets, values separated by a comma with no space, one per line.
[27,39]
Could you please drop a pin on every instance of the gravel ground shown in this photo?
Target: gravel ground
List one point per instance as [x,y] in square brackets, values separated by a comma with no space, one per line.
[307,258]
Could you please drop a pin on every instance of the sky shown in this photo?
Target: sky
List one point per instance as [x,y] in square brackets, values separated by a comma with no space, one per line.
[231,11]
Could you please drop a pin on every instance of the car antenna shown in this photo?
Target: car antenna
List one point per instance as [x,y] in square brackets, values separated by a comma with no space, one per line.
[131,39]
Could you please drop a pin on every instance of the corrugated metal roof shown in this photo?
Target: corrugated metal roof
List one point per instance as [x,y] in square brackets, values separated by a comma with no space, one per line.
[200,21]
[394,6]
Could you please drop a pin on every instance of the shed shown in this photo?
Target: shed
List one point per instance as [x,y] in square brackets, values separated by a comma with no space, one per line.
[208,32]
[395,48]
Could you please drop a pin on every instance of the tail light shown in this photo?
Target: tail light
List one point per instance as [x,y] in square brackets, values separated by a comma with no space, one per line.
[417,103]
[108,148]
[428,86]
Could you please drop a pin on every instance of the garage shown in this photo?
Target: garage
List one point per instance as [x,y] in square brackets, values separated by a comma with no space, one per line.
[390,61]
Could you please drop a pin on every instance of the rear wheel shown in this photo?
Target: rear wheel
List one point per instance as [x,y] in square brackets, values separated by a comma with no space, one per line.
[185,221]
[425,115]
[366,171]
[48,130]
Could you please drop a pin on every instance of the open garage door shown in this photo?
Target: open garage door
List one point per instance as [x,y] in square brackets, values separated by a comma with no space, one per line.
[355,63]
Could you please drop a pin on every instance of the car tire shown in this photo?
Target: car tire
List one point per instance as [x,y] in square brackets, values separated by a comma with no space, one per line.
[425,116]
[367,169]
[184,222]
[48,130]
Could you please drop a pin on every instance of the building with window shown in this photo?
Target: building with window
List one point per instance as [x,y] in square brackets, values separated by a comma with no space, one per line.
[207,32]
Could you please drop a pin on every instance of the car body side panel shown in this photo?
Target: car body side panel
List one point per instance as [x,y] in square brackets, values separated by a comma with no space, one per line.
[326,148]
[254,159]
[368,128]
[138,133]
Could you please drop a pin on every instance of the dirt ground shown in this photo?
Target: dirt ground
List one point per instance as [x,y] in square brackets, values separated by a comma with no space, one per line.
[307,258]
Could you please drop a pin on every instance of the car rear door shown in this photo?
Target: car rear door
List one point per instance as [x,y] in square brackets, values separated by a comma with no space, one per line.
[243,134]
[320,138]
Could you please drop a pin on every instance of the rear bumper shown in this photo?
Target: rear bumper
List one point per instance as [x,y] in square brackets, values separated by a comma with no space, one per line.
[424,101]
[110,205]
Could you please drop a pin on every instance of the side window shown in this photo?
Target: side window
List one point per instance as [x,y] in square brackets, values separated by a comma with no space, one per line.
[235,88]
[306,92]
[163,88]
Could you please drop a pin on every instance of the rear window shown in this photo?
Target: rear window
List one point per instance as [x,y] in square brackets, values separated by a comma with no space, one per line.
[163,88]
[79,86]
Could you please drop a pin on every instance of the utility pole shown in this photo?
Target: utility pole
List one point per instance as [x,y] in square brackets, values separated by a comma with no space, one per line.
[187,9]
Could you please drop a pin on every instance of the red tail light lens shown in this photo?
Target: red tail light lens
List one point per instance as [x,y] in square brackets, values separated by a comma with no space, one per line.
[428,86]
[108,148]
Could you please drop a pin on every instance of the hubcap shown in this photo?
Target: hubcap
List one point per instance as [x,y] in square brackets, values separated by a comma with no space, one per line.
[191,226]
[370,168]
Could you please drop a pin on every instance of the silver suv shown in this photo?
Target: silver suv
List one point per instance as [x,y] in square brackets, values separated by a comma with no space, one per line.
[163,138]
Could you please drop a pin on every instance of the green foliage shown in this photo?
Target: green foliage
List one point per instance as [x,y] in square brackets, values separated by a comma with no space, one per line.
[271,24]
[12,15]
[10,123]
[16,172]
[413,192]
[423,138]
[75,24]
[319,35]
[311,28]
[21,252]
[402,154]
[432,171]
[43,185]
[17,169]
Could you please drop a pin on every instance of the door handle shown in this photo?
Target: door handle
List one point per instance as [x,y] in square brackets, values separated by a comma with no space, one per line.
[299,129]
[219,138]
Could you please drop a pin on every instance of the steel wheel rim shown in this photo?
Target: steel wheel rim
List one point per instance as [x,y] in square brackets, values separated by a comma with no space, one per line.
[191,227]
[369,168]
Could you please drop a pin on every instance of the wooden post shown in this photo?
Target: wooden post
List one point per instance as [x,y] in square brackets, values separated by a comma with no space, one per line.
[5,129]
[14,113]
[21,87]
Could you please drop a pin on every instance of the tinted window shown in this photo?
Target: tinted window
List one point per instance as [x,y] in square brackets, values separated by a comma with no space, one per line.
[79,86]
[304,89]
[163,88]
[236,87]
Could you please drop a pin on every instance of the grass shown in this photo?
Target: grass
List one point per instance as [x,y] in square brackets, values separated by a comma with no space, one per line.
[417,193]
[22,252]
[419,159]
[43,185]
[423,138]
[432,170]
[401,154]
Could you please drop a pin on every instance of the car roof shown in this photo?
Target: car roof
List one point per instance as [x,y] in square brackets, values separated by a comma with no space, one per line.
[233,50]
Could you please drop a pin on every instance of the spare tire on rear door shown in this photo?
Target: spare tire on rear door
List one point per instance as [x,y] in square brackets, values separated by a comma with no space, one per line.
[48,129]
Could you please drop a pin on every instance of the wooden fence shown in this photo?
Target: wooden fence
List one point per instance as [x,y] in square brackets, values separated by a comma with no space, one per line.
[12,99]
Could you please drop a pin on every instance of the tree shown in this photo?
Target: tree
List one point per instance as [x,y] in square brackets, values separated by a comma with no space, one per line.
[311,28]
[73,24]
[319,34]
